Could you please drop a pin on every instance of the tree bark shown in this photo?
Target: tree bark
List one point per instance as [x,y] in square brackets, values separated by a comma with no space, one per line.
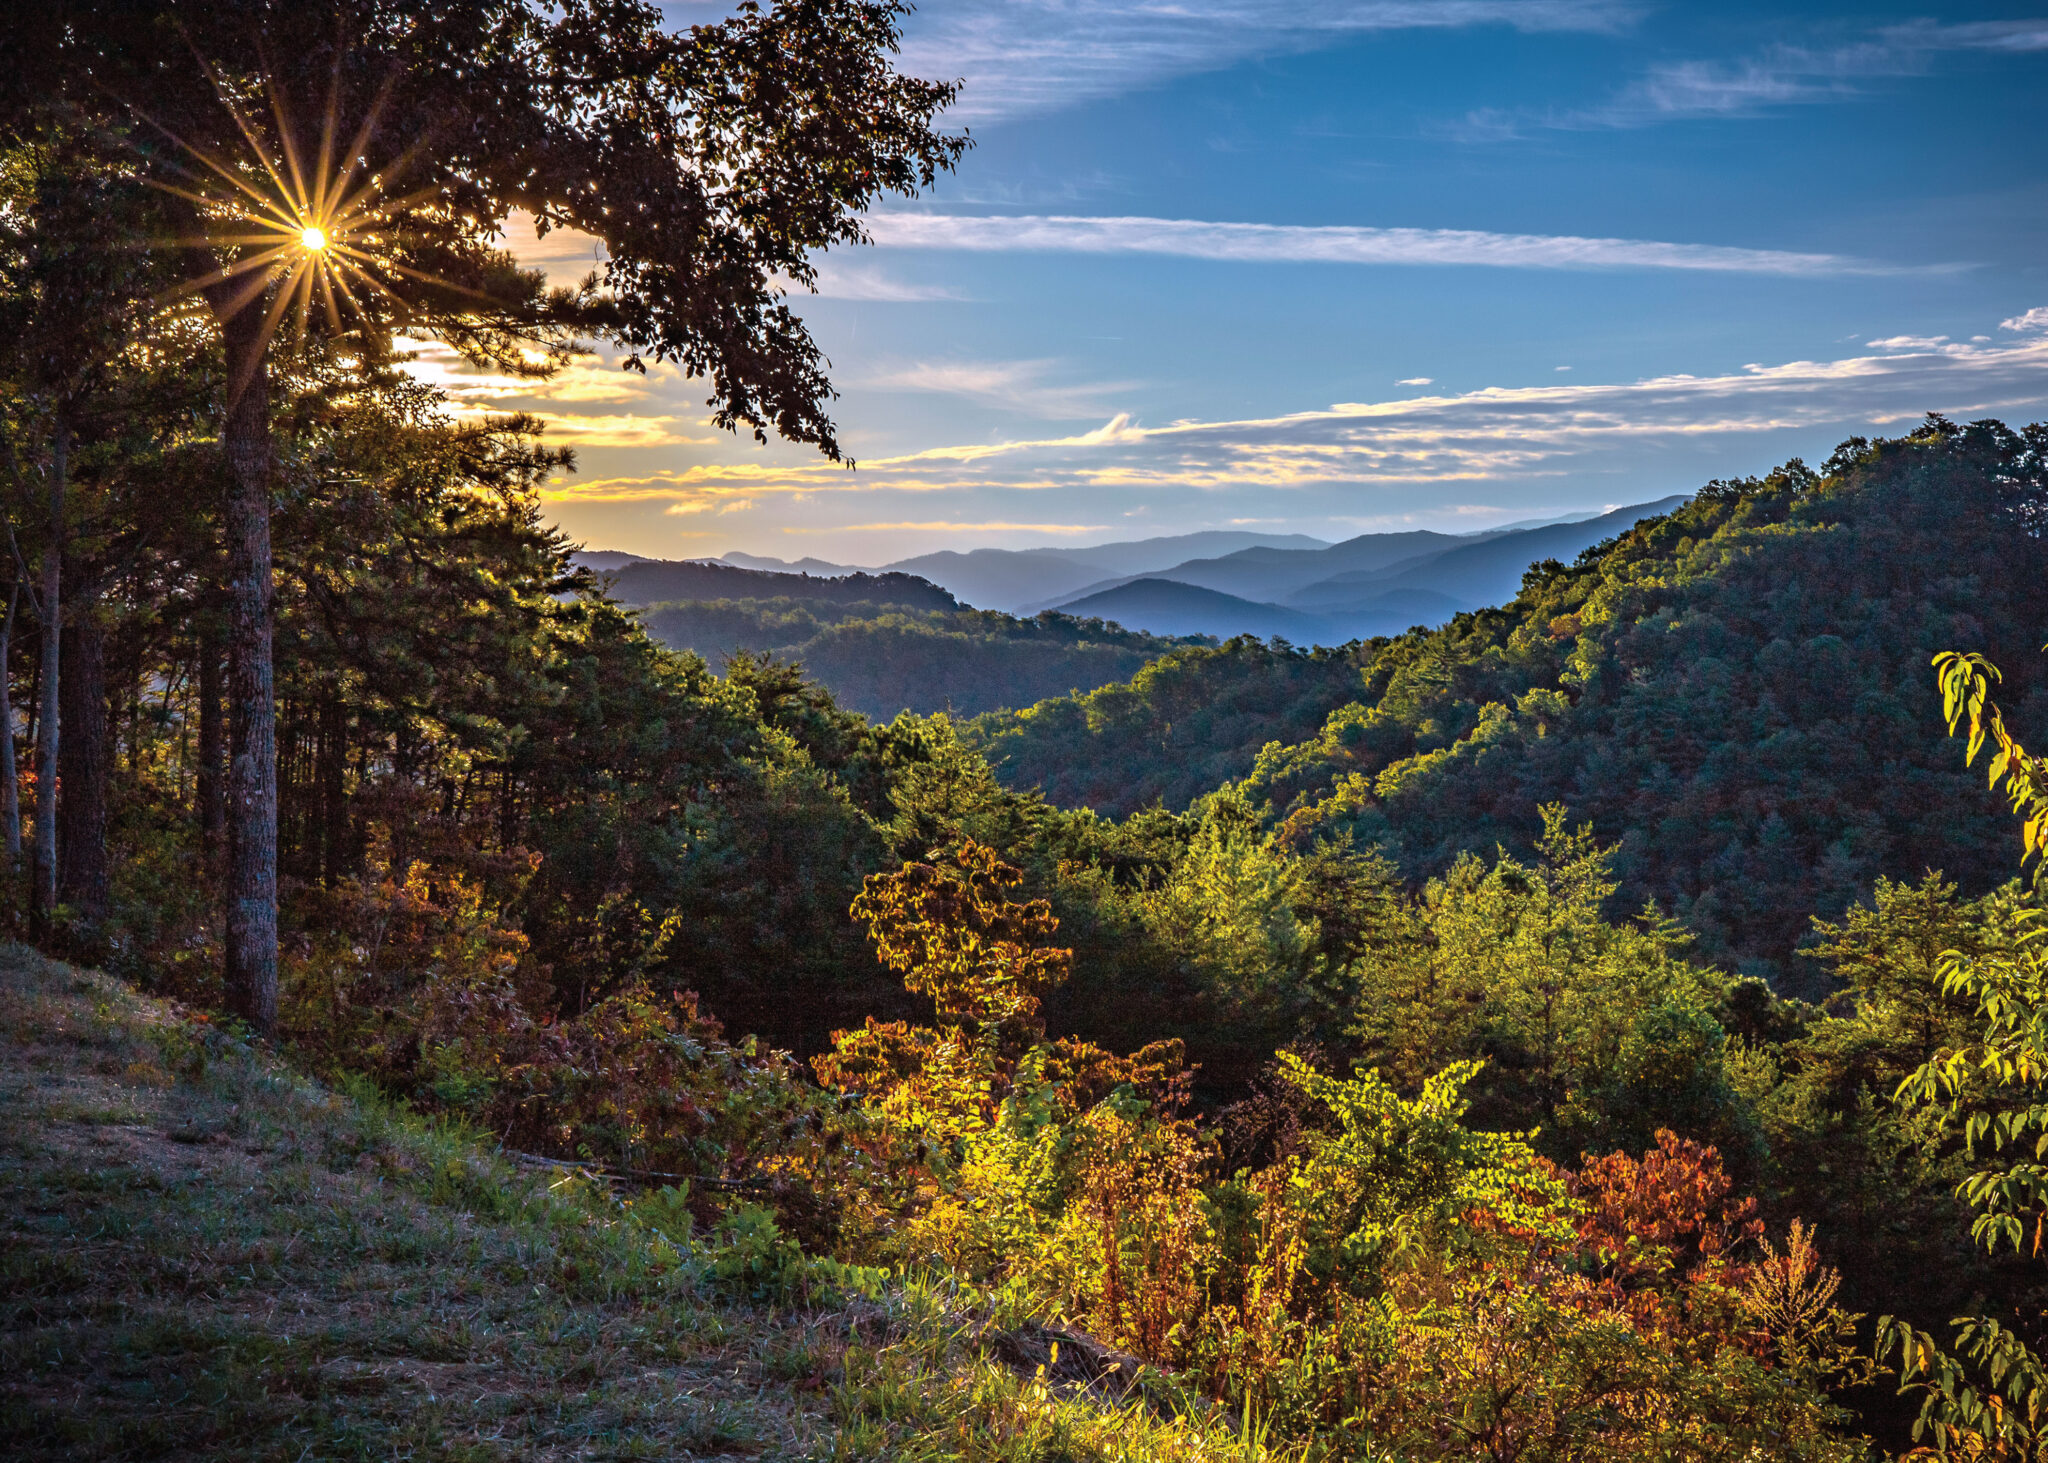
[251,933]
[10,775]
[43,895]
[82,810]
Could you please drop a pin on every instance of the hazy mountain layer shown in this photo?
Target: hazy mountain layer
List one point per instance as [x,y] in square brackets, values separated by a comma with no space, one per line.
[661,581]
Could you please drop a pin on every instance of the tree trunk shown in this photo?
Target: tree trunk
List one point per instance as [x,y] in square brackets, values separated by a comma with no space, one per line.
[43,896]
[10,775]
[212,750]
[252,700]
[82,811]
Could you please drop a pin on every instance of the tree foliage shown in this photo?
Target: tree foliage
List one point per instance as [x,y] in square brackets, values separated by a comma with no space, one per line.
[881,658]
[1735,693]
[1990,1398]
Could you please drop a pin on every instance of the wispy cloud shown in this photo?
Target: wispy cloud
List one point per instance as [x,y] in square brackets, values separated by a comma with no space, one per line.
[1023,56]
[564,255]
[1417,381]
[2034,319]
[846,281]
[1786,75]
[473,392]
[621,429]
[1909,343]
[1501,434]
[1278,243]
[1782,76]
[1013,385]
[1976,35]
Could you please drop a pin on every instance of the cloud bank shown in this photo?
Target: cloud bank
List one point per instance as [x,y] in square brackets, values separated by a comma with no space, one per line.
[1497,435]
[1279,243]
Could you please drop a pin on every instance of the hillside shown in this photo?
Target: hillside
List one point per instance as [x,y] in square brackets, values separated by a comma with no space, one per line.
[882,643]
[208,1255]
[1738,692]
[657,581]
[880,660]
[1168,608]
[1175,1077]
[1183,726]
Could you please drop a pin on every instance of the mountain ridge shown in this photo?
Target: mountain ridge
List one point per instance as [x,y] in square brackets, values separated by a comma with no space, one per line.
[1253,567]
[1383,591]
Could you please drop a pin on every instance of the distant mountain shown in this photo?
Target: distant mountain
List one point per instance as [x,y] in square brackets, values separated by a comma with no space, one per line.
[1024,580]
[1488,571]
[1003,579]
[1257,584]
[1520,523]
[1268,574]
[787,566]
[605,560]
[1014,580]
[1164,607]
[664,581]
[1395,612]
[1141,556]
[1375,584]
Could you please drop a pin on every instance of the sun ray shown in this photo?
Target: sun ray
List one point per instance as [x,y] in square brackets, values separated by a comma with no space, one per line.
[289,147]
[228,175]
[327,304]
[324,172]
[255,141]
[340,282]
[358,151]
[314,233]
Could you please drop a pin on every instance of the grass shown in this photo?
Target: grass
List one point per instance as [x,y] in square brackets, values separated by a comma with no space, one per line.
[204,1254]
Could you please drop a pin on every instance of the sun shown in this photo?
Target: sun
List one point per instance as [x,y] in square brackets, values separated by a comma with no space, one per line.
[310,228]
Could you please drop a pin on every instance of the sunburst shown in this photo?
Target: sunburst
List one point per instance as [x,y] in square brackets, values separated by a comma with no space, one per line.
[314,234]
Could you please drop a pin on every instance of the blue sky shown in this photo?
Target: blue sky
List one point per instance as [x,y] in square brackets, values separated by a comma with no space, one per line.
[1332,266]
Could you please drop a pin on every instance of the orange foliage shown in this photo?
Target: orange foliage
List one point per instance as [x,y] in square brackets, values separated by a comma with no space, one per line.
[955,937]
[1667,1213]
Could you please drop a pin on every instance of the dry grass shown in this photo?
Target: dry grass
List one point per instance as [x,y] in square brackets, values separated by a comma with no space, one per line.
[204,1255]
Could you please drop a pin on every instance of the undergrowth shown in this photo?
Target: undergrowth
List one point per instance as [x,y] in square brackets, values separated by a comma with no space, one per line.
[208,1254]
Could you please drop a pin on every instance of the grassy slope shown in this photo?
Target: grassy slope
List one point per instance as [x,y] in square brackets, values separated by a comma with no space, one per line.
[203,1255]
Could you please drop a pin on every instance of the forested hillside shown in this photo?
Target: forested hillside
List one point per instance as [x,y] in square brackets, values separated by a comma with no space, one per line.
[880,657]
[658,581]
[1189,722]
[1737,694]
